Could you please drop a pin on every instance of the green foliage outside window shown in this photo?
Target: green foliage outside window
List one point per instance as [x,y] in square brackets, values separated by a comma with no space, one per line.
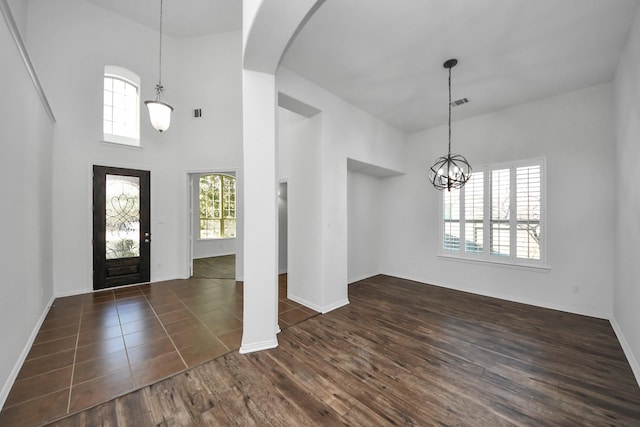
[217,194]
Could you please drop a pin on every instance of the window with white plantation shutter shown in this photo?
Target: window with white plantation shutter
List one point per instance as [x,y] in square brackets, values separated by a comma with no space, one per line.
[451,220]
[474,213]
[497,216]
[528,212]
[500,210]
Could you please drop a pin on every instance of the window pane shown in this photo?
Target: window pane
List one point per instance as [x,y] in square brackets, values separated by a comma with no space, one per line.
[118,85]
[206,197]
[121,108]
[451,214]
[130,91]
[229,228]
[217,195]
[108,98]
[229,209]
[118,100]
[500,212]
[209,229]
[473,213]
[528,212]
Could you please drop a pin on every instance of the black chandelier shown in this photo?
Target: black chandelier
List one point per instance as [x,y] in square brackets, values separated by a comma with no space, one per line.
[452,170]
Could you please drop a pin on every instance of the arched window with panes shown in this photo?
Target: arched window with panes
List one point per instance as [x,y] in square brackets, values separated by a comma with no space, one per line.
[217,197]
[121,106]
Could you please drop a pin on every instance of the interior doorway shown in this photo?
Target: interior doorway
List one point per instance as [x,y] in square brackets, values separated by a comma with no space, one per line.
[121,226]
[212,220]
[282,227]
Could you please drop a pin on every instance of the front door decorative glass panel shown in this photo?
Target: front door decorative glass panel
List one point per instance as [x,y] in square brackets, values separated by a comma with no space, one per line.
[121,227]
[122,234]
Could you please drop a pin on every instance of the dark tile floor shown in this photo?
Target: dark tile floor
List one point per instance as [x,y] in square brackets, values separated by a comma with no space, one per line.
[94,347]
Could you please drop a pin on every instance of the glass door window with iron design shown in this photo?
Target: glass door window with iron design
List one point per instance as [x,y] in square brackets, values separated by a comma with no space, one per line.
[121,226]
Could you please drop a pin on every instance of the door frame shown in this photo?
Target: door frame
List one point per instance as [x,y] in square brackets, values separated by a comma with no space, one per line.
[115,164]
[190,203]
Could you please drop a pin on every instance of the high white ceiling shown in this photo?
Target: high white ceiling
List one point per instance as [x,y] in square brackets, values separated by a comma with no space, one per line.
[181,18]
[386,56]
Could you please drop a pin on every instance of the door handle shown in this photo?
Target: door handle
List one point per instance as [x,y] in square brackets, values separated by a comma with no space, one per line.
[147,237]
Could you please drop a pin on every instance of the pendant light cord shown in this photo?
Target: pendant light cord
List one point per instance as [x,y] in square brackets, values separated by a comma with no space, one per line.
[450,111]
[160,55]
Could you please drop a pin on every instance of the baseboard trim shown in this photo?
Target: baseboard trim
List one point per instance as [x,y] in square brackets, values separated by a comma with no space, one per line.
[321,309]
[559,307]
[633,362]
[336,305]
[90,290]
[362,277]
[215,256]
[304,302]
[258,346]
[23,356]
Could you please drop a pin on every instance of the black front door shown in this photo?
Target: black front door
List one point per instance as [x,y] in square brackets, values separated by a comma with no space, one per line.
[121,227]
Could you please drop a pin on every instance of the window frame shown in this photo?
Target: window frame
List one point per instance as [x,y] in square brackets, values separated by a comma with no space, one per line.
[485,256]
[222,218]
[131,78]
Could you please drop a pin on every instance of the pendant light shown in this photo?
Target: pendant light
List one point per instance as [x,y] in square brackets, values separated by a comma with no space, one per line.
[452,170]
[159,112]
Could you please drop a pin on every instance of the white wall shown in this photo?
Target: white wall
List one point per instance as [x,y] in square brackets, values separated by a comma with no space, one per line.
[346,132]
[197,73]
[574,131]
[19,12]
[209,78]
[206,248]
[26,143]
[627,280]
[299,163]
[367,216]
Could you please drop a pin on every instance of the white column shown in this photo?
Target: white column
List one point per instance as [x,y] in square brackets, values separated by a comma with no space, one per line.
[260,213]
[268,26]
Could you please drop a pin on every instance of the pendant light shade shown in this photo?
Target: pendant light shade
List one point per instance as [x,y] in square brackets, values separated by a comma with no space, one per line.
[159,112]
[452,170]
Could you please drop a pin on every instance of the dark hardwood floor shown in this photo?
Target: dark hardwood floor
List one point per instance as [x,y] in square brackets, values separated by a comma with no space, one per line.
[403,353]
[220,267]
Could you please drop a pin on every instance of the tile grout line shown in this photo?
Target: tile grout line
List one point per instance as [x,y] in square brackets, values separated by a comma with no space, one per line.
[126,349]
[165,329]
[75,355]
[202,323]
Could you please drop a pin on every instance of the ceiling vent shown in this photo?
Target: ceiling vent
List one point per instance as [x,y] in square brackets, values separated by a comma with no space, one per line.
[459,102]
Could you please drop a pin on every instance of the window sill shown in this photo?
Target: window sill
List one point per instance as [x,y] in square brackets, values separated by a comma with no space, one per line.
[215,238]
[122,145]
[497,263]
